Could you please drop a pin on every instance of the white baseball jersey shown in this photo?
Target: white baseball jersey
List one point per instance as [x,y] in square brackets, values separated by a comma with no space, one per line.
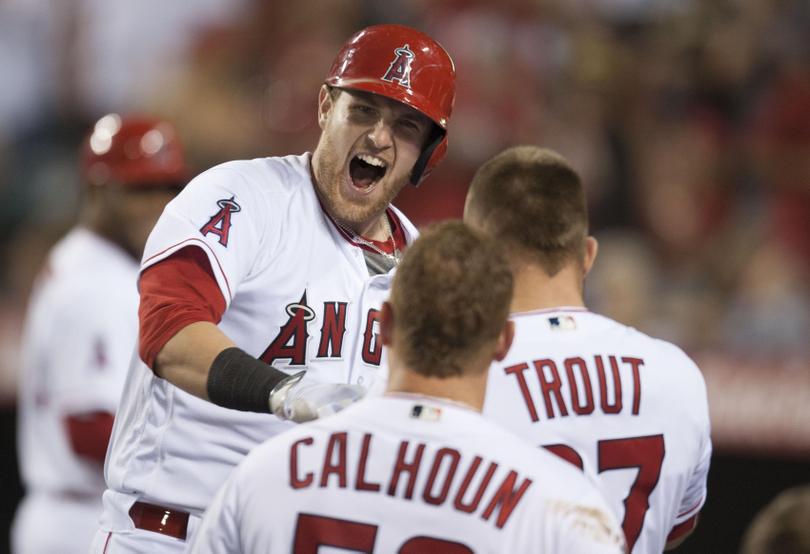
[631,408]
[369,360]
[411,474]
[80,331]
[288,276]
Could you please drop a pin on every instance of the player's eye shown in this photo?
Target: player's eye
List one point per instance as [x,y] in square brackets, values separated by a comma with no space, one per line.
[409,125]
[363,111]
[409,128]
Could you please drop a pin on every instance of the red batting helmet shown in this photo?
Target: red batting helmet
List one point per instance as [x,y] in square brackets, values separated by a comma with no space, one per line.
[133,151]
[405,65]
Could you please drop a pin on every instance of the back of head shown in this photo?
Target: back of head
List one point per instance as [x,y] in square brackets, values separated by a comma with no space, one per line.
[405,65]
[782,526]
[532,202]
[450,299]
[133,151]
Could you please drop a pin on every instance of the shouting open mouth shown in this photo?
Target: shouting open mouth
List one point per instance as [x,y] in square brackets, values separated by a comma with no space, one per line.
[366,170]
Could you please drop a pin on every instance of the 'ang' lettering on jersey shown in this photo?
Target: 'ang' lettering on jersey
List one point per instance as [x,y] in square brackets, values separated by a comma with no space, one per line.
[288,277]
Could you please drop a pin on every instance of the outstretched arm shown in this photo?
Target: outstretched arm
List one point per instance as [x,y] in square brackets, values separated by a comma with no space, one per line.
[186,359]
[179,339]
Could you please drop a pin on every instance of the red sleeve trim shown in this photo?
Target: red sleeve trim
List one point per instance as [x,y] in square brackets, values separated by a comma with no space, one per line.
[176,292]
[683,513]
[201,244]
[682,528]
[89,434]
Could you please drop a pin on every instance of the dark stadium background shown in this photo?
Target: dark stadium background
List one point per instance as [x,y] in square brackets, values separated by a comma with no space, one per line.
[689,121]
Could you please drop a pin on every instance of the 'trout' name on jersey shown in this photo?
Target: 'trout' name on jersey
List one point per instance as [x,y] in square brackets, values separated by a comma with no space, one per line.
[584,394]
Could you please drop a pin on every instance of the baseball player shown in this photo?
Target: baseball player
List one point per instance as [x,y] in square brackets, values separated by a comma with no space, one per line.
[598,393]
[81,329]
[630,408]
[418,469]
[246,281]
[781,525]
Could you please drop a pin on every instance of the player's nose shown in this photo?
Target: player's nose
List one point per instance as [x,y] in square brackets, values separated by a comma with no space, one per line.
[381,135]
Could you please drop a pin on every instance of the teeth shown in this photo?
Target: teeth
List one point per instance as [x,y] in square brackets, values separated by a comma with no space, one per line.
[372,160]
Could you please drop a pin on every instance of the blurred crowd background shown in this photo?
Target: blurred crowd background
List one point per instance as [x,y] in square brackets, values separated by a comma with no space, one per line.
[688,120]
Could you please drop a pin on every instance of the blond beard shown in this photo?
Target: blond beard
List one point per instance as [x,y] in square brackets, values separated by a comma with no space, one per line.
[327,184]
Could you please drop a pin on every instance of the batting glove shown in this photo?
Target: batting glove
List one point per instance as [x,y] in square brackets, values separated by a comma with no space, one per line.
[296,400]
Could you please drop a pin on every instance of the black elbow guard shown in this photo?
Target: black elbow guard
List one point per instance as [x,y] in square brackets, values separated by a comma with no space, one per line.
[239,381]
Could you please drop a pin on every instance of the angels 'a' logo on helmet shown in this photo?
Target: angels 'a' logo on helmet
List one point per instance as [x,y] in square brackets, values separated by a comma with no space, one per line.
[400,68]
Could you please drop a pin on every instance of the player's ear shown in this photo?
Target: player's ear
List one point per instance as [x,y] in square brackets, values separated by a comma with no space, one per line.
[469,217]
[591,249]
[505,340]
[386,324]
[325,103]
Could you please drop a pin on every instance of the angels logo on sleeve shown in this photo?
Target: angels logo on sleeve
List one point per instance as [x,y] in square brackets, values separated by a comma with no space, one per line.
[400,68]
[220,222]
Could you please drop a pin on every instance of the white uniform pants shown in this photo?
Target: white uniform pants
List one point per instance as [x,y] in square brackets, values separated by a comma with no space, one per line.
[47,523]
[136,541]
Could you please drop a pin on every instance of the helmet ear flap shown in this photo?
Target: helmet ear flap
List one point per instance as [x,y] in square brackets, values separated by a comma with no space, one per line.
[434,151]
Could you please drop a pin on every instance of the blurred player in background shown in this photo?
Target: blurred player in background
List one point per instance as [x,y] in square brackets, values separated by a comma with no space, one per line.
[602,395]
[81,330]
[781,527]
[418,469]
[246,280]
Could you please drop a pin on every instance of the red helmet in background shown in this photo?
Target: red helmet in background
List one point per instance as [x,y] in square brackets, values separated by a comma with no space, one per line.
[133,151]
[405,65]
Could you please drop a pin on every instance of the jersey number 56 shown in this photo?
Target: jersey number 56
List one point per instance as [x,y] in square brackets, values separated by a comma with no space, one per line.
[312,531]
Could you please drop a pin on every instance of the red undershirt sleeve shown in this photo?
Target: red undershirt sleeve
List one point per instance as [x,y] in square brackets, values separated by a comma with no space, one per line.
[682,528]
[175,293]
[89,434]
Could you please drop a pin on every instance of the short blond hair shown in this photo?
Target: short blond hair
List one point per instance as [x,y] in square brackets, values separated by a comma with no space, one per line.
[531,201]
[450,297]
